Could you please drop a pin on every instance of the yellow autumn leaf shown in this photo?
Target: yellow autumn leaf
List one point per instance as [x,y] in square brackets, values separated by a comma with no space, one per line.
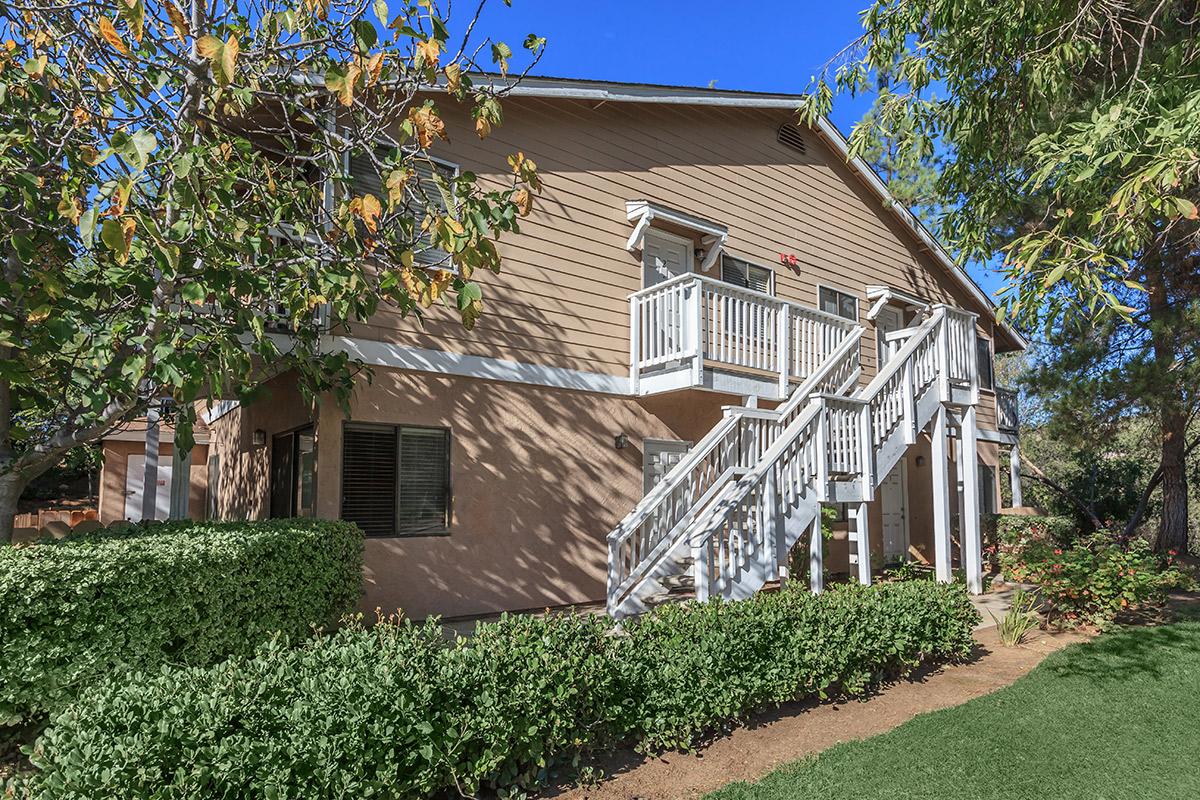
[453,78]
[428,52]
[229,58]
[178,21]
[427,125]
[482,127]
[394,184]
[374,68]
[524,202]
[370,210]
[112,37]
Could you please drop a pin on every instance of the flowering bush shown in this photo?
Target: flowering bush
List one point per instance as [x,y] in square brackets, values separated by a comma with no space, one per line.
[1093,581]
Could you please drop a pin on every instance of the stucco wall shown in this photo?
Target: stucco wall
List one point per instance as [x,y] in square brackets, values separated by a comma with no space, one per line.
[537,484]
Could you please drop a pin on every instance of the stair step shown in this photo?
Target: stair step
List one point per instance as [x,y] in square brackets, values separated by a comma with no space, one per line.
[684,581]
[663,598]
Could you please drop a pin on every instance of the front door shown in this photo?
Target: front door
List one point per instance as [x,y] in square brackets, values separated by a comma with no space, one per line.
[889,321]
[658,456]
[135,476]
[293,471]
[664,257]
[892,500]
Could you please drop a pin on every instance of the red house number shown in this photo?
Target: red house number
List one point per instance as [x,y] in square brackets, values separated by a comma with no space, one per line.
[789,260]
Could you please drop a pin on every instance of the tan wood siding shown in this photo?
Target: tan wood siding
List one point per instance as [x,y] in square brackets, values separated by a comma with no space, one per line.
[562,297]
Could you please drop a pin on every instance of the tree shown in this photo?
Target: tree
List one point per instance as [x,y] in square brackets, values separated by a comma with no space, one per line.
[911,176]
[1071,133]
[172,197]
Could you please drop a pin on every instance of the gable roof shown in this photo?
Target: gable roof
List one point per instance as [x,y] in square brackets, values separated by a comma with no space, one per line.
[608,91]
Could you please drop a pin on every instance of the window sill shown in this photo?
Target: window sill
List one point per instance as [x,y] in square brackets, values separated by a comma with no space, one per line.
[432,534]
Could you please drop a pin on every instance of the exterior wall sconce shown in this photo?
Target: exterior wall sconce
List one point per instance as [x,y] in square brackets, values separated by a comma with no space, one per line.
[259,437]
[620,441]
[920,461]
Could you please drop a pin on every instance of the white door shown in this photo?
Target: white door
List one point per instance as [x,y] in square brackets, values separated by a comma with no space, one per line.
[664,257]
[889,321]
[135,473]
[658,457]
[892,494]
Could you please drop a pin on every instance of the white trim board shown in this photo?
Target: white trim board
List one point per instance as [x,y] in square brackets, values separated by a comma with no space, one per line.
[218,410]
[383,354]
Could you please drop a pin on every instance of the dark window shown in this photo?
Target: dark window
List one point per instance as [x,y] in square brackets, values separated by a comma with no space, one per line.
[293,474]
[987,377]
[396,480]
[842,304]
[742,273]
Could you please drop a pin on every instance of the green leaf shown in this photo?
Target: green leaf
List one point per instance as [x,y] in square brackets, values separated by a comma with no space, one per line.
[87,227]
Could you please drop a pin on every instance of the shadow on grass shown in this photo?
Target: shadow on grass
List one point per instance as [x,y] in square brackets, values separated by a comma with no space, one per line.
[1122,655]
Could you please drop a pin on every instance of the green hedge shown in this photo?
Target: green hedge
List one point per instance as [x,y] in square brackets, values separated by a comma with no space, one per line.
[72,612]
[394,711]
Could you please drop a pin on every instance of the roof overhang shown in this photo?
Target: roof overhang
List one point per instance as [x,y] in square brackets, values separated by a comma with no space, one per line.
[603,91]
[643,213]
[882,295]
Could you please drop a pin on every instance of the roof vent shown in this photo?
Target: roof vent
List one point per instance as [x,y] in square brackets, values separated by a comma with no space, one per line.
[790,136]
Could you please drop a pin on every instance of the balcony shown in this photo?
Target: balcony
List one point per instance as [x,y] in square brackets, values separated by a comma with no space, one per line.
[697,332]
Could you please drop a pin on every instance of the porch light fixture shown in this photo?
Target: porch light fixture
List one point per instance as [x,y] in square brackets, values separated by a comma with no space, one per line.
[920,461]
[259,437]
[620,441]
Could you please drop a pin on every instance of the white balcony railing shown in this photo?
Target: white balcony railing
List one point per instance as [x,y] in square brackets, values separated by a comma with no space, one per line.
[691,321]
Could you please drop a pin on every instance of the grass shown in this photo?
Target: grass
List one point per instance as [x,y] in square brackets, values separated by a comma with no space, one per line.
[1115,718]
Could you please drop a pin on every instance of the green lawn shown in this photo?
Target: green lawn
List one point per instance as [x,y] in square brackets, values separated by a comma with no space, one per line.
[1116,718]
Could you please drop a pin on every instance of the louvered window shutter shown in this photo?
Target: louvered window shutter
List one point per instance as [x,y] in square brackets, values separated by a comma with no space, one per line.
[369,472]
[423,190]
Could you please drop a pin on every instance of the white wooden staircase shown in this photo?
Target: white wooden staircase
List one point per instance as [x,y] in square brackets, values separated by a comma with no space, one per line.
[723,521]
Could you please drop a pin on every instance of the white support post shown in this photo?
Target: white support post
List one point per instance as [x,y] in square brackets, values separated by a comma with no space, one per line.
[695,317]
[783,348]
[862,526]
[181,484]
[816,555]
[940,475]
[971,537]
[1014,474]
[635,346]
[150,476]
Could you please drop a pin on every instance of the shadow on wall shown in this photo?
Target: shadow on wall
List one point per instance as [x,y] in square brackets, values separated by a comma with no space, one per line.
[537,485]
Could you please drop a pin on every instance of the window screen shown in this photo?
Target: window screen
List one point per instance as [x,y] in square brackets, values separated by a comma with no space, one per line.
[396,480]
[742,273]
[983,349]
[840,303]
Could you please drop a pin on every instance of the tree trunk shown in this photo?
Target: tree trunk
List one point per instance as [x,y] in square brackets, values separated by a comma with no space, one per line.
[1173,419]
[11,486]
[1173,526]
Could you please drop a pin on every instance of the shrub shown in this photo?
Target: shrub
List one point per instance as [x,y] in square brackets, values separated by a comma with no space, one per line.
[1019,620]
[75,611]
[395,711]
[1097,578]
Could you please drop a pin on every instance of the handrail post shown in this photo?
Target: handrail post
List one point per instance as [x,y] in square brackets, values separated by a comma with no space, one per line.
[783,349]
[702,570]
[774,543]
[943,357]
[973,359]
[695,320]
[823,450]
[634,345]
[910,403]
[867,446]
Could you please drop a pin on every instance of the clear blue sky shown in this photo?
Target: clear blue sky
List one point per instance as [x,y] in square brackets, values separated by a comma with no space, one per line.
[757,45]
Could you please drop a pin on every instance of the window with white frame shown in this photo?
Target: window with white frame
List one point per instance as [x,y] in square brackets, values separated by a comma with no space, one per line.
[835,301]
[396,479]
[431,187]
[742,273]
